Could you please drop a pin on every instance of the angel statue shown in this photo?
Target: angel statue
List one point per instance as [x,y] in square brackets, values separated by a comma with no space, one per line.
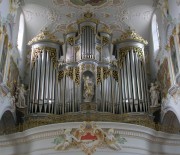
[63,143]
[112,141]
[154,94]
[20,94]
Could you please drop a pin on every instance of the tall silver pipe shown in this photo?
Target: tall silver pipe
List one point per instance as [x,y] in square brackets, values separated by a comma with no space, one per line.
[129,78]
[125,85]
[123,90]
[37,78]
[141,86]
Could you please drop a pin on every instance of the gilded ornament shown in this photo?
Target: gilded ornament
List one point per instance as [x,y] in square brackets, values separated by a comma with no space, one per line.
[98,48]
[105,29]
[167,48]
[98,75]
[124,51]
[69,72]
[105,40]
[131,35]
[60,75]
[77,76]
[45,35]
[9,46]
[70,40]
[115,75]
[106,72]
[37,51]
[88,17]
[174,32]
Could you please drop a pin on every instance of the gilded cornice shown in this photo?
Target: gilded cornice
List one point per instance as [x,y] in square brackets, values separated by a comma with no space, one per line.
[45,35]
[131,35]
[88,17]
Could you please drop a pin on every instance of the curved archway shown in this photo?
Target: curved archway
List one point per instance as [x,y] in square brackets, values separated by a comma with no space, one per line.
[170,120]
[7,122]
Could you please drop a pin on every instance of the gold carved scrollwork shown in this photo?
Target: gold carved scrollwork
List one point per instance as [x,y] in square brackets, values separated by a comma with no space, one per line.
[73,73]
[98,48]
[88,16]
[132,35]
[99,75]
[43,36]
[69,72]
[106,72]
[60,75]
[70,40]
[115,75]
[39,50]
[105,40]
[84,27]
[139,52]
[89,67]
[105,29]
[124,51]
[77,75]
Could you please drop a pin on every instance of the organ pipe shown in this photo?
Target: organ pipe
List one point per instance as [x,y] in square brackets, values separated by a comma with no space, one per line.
[84,73]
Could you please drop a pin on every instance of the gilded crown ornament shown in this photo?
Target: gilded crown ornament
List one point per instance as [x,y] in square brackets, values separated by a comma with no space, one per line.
[132,35]
[45,35]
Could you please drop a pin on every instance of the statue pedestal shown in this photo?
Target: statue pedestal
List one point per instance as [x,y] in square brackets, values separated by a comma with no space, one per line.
[88,106]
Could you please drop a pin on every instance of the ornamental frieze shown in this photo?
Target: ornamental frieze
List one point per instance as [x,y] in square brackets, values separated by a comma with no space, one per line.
[88,137]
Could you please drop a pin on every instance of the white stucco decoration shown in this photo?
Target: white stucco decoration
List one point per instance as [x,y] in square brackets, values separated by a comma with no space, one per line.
[140,140]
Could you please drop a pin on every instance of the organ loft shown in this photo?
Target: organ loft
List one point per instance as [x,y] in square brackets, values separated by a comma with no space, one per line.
[88,70]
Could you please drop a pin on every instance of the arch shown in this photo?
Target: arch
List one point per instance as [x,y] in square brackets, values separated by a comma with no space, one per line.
[7,122]
[171,120]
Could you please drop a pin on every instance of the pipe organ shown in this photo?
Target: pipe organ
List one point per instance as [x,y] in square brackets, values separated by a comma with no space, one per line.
[88,71]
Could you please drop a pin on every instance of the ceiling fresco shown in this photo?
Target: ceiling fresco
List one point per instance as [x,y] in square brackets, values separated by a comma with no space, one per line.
[91,2]
[57,15]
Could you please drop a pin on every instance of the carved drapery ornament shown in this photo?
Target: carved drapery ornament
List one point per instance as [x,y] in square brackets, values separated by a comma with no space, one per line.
[73,73]
[39,50]
[124,51]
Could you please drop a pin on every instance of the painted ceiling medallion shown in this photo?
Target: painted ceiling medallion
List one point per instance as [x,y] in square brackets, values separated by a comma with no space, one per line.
[91,2]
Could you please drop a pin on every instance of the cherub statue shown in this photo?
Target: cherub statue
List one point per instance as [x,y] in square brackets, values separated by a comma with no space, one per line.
[68,140]
[111,140]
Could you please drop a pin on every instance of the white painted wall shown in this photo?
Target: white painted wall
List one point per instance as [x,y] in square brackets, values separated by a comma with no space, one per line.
[140,141]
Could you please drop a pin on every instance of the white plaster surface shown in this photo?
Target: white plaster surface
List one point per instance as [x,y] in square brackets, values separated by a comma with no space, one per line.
[140,140]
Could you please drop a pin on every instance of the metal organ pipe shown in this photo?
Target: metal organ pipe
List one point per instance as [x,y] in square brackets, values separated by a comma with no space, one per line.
[118,88]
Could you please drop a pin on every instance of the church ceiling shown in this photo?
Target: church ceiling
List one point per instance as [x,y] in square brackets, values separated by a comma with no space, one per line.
[57,15]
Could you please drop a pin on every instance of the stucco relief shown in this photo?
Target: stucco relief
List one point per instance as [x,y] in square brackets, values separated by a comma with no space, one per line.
[88,137]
